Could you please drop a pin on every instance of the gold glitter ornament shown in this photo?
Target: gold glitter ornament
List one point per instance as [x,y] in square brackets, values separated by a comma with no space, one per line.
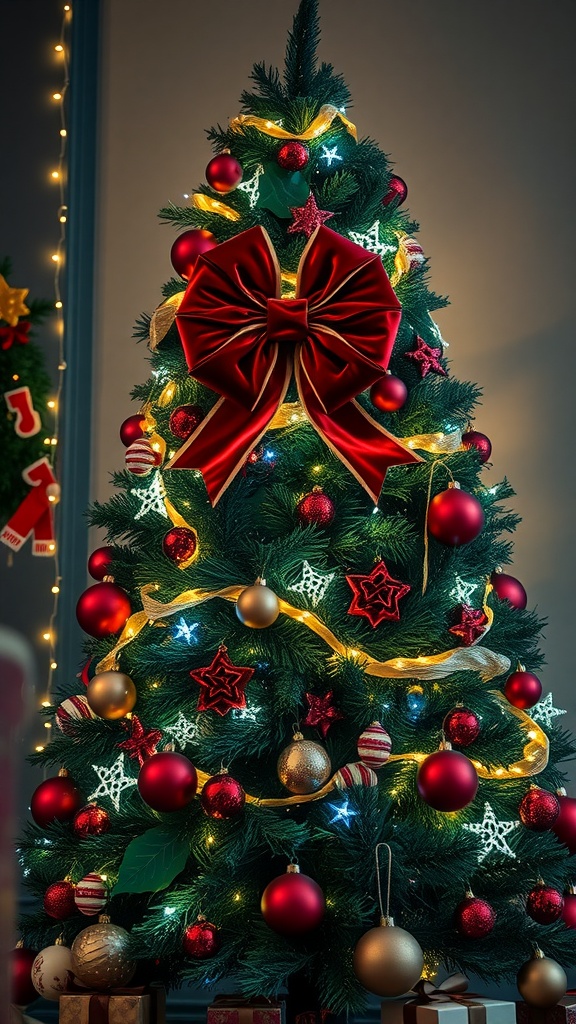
[303,766]
[99,955]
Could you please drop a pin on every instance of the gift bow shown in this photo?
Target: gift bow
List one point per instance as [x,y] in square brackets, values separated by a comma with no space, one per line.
[19,333]
[451,988]
[243,341]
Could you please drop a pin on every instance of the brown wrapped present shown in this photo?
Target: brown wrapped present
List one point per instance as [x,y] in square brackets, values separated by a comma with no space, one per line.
[563,1013]
[104,1008]
[234,1009]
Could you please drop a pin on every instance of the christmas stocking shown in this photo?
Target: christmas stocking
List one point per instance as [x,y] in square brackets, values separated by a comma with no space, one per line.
[28,420]
[34,514]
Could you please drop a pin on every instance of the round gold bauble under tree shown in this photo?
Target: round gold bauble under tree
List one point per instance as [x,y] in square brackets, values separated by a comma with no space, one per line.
[99,955]
[388,961]
[303,766]
[111,695]
[541,981]
[257,606]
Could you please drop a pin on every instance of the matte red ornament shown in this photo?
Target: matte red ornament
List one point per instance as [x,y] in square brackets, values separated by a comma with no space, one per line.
[544,904]
[22,989]
[447,780]
[142,742]
[455,517]
[223,173]
[179,545]
[539,809]
[565,826]
[293,156]
[308,217]
[427,359]
[222,797]
[59,900]
[397,191]
[201,939]
[482,444]
[99,562]
[508,588]
[389,393]
[315,508]
[461,726]
[132,428]
[55,799]
[293,904]
[569,909]
[475,918]
[184,420]
[471,626]
[376,595]
[321,712]
[91,821]
[103,609]
[523,689]
[167,781]
[222,684]
[188,247]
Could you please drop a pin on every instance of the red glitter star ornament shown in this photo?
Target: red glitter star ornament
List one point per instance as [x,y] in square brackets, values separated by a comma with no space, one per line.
[322,712]
[308,217]
[222,683]
[142,742]
[427,358]
[376,596]
[471,626]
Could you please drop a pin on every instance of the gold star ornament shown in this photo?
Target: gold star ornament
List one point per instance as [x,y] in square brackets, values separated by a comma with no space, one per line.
[12,302]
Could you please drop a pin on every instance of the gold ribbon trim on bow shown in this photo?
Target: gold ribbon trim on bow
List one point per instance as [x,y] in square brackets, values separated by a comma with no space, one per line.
[162,319]
[323,120]
[209,205]
[402,258]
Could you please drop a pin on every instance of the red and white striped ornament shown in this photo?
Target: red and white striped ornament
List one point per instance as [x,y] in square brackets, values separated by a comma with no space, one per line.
[71,711]
[374,745]
[140,457]
[414,252]
[91,895]
[355,774]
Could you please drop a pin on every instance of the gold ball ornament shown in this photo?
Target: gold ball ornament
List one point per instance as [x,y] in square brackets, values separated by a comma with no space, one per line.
[541,981]
[111,695]
[388,961]
[257,606]
[303,766]
[99,955]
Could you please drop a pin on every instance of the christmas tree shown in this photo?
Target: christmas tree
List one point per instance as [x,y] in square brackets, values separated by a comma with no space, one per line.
[303,642]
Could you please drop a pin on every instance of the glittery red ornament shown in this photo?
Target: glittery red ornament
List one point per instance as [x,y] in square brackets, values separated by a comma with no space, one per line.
[455,517]
[461,726]
[184,420]
[427,359]
[222,797]
[223,173]
[201,939]
[99,562]
[55,799]
[59,900]
[293,904]
[142,742]
[447,780]
[389,393]
[565,825]
[376,595]
[397,191]
[131,429]
[539,809]
[167,781]
[544,904]
[293,156]
[188,247]
[523,689]
[321,712]
[569,909]
[22,989]
[222,684]
[91,821]
[475,918]
[482,444]
[179,544]
[315,508]
[103,609]
[471,625]
[508,588]
[308,217]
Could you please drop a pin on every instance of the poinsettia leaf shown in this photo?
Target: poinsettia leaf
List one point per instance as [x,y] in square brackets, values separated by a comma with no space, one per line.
[151,861]
[281,189]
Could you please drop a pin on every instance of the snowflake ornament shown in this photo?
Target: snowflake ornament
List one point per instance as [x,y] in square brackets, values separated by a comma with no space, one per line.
[330,155]
[183,731]
[313,584]
[544,711]
[151,498]
[492,834]
[113,781]
[248,714]
[371,240]
[185,631]
[462,591]
[341,813]
[252,187]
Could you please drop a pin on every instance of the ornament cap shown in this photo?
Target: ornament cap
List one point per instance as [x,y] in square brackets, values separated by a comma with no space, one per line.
[297,737]
[317,489]
[63,773]
[59,941]
[201,918]
[104,919]
[293,869]
[561,791]
[444,745]
[454,485]
[469,895]
[260,581]
[19,944]
[386,922]
[571,889]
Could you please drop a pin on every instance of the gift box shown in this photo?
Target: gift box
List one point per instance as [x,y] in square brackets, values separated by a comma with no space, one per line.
[109,1008]
[563,1013]
[234,1009]
[449,1003]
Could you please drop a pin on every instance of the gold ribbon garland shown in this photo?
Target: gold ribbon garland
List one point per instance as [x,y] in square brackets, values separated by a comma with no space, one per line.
[209,205]
[162,319]
[323,120]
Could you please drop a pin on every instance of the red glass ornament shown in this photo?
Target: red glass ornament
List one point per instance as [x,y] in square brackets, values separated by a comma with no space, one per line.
[447,780]
[523,689]
[132,428]
[22,989]
[167,781]
[569,909]
[389,393]
[397,191]
[201,939]
[99,563]
[293,904]
[223,797]
[455,517]
[461,726]
[508,588]
[91,821]
[103,609]
[179,544]
[482,444]
[223,173]
[55,799]
[184,420]
[293,156]
[188,247]
[539,809]
[315,508]
[565,826]
[59,900]
[544,904]
[474,918]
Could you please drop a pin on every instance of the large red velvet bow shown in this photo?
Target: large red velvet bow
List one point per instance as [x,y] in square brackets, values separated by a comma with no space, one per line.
[243,341]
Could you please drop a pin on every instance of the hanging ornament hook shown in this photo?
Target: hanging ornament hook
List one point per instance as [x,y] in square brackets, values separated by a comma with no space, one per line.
[384,917]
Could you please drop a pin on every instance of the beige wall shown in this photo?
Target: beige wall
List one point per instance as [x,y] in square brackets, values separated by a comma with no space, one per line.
[473,100]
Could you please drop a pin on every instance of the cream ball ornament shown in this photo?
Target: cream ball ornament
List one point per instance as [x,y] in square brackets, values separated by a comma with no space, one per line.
[52,972]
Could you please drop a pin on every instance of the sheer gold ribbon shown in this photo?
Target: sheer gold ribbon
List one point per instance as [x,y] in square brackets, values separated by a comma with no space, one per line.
[323,120]
[209,205]
[162,319]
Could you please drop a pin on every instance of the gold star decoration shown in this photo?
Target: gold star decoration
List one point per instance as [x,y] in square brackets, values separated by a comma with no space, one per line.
[12,302]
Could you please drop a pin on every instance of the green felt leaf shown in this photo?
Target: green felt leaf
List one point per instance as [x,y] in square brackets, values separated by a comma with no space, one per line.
[152,861]
[281,189]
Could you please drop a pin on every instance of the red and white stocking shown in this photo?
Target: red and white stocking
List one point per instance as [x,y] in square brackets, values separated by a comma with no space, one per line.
[34,514]
[27,422]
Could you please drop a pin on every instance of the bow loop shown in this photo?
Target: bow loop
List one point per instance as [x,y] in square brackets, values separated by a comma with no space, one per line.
[451,987]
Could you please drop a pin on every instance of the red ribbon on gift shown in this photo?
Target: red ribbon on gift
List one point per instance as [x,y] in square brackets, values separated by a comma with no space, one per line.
[9,335]
[245,342]
[34,514]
